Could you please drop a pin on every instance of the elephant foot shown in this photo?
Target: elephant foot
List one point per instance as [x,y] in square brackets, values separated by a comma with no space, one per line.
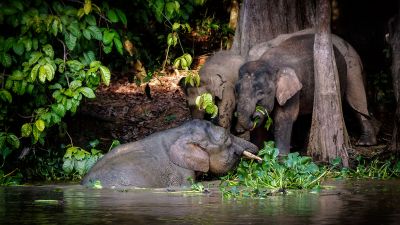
[369,129]
[366,140]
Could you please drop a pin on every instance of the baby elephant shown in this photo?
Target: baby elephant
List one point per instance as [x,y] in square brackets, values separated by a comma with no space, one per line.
[168,158]
[218,77]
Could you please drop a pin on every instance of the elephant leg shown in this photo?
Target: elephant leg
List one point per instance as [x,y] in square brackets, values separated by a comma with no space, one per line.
[368,131]
[283,123]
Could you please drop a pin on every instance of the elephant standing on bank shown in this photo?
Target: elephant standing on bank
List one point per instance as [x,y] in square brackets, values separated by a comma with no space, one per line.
[282,82]
[218,77]
[170,157]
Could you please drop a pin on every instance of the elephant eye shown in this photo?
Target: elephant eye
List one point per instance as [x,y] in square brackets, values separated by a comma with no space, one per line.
[260,92]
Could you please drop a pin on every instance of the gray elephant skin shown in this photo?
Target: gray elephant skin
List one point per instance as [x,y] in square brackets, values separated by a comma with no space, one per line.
[282,82]
[168,158]
[218,77]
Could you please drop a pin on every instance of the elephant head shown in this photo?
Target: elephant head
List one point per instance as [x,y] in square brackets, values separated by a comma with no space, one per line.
[217,77]
[209,148]
[259,84]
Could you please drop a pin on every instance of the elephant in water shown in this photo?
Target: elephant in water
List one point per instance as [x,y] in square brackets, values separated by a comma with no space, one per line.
[168,158]
[282,82]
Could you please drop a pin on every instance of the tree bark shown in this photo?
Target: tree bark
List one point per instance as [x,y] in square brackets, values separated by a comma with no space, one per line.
[328,135]
[263,20]
[394,41]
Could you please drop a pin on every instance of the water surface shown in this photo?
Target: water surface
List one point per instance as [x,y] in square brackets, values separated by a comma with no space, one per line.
[350,202]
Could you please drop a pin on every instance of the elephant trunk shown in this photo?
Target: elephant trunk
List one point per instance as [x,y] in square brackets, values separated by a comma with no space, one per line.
[246,149]
[244,123]
[244,146]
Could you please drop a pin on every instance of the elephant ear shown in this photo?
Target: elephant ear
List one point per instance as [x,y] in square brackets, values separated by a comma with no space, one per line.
[187,154]
[287,85]
[217,85]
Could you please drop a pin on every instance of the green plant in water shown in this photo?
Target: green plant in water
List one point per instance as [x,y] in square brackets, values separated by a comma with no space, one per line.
[376,169]
[253,179]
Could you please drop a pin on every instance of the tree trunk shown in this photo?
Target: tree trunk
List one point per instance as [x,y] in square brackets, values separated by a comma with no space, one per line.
[328,135]
[394,41]
[263,20]
[233,20]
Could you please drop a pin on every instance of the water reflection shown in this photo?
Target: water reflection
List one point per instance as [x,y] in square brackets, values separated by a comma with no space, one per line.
[358,202]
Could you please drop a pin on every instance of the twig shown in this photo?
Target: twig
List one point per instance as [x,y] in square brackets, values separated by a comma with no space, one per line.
[8,174]
[65,59]
[70,138]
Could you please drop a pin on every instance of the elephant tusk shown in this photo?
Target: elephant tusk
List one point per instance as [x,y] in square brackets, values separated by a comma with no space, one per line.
[252,156]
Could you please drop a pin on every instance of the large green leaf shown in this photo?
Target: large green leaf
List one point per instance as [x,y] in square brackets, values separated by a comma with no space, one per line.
[75,84]
[96,32]
[59,109]
[87,34]
[87,7]
[70,41]
[49,72]
[19,48]
[105,75]
[17,75]
[54,27]
[112,16]
[68,166]
[40,125]
[74,29]
[13,141]
[91,20]
[34,72]
[107,48]
[5,95]
[5,59]
[48,50]
[118,46]
[95,64]
[42,74]
[108,36]
[121,16]
[87,92]
[26,130]
[75,65]
[34,57]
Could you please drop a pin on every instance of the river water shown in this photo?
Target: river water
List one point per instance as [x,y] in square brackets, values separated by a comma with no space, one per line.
[349,202]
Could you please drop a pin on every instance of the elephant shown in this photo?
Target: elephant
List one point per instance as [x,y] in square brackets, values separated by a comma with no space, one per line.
[218,77]
[168,158]
[282,82]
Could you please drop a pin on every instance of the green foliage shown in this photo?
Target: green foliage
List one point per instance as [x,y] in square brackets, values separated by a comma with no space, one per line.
[192,78]
[376,169]
[95,184]
[206,102]
[49,58]
[264,112]
[12,178]
[196,186]
[77,161]
[253,179]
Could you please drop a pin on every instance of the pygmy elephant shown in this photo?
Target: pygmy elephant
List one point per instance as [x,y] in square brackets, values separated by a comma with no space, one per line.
[170,157]
[285,74]
[217,77]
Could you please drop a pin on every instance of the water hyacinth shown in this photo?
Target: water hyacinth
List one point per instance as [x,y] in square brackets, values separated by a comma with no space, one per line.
[274,174]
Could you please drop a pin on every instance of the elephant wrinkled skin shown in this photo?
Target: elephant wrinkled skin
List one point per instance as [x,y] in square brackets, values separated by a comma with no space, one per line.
[282,82]
[218,77]
[170,157]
